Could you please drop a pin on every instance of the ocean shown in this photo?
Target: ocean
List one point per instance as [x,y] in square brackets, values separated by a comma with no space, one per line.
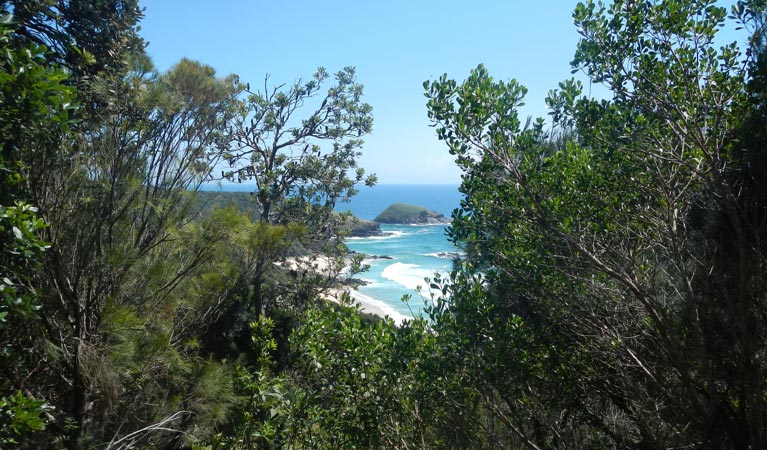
[369,202]
[412,252]
[415,251]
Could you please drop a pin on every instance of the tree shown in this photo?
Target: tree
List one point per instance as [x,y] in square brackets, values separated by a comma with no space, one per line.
[619,255]
[296,180]
[34,109]
[91,40]
[281,153]
[350,384]
[129,282]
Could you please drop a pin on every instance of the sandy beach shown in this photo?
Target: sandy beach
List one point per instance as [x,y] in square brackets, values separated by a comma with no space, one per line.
[324,265]
[334,295]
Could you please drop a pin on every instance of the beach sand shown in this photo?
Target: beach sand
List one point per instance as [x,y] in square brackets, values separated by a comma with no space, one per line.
[324,265]
[334,295]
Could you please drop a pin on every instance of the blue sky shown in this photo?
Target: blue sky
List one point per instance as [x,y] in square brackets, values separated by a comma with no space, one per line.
[395,45]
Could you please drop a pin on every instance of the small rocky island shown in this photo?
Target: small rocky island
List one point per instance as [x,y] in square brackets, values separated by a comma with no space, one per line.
[404,214]
[396,214]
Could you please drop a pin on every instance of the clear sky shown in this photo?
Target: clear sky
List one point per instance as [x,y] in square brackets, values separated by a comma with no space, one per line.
[395,45]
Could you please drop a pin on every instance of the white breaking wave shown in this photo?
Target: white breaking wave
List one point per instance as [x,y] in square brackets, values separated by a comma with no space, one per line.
[410,276]
[394,234]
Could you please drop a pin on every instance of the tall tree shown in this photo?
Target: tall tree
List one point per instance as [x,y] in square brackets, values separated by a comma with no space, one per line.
[92,40]
[34,112]
[277,145]
[122,250]
[620,260]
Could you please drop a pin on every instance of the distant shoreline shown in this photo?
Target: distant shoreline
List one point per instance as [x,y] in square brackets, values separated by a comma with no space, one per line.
[246,187]
[371,201]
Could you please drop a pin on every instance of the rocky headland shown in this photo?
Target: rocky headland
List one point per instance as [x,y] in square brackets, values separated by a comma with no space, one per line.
[363,228]
[404,214]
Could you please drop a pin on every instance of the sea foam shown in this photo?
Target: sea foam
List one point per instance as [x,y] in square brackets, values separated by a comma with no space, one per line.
[410,276]
[387,235]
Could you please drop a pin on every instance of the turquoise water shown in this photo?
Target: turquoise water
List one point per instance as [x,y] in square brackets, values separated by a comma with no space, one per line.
[414,249]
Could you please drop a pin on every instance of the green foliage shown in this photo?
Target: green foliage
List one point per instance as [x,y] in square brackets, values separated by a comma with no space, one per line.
[612,294]
[19,416]
[350,384]
[92,41]
[281,152]
[34,109]
[407,214]
[19,226]
[205,202]
[596,251]
[127,285]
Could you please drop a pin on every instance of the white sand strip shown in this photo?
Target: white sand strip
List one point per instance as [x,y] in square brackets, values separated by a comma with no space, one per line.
[325,265]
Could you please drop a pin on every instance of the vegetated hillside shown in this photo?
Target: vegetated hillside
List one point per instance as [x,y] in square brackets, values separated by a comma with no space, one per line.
[206,201]
[402,213]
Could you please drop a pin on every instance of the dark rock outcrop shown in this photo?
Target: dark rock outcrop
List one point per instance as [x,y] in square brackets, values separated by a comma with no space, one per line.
[378,257]
[447,255]
[363,228]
